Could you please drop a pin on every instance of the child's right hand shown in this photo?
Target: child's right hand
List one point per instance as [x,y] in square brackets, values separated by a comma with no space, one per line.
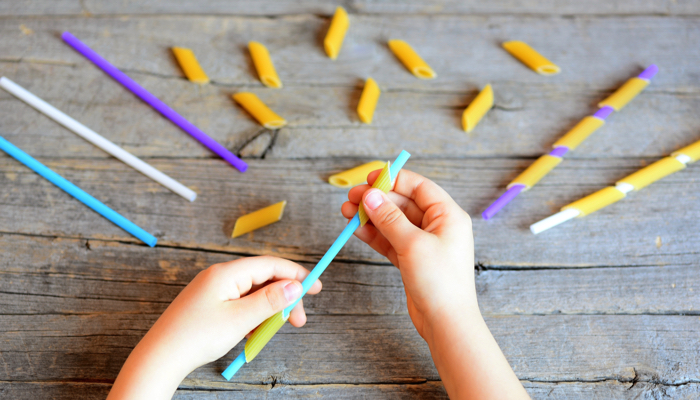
[424,233]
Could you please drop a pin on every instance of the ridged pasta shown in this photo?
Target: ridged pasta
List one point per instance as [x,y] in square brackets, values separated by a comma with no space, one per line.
[263,65]
[355,176]
[536,171]
[652,173]
[411,60]
[336,33]
[382,183]
[596,201]
[368,101]
[258,219]
[579,133]
[477,109]
[259,110]
[625,93]
[190,66]
[530,57]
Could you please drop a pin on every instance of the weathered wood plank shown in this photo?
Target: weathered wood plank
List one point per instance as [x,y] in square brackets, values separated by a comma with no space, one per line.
[527,121]
[368,349]
[594,53]
[428,390]
[67,278]
[621,235]
[272,7]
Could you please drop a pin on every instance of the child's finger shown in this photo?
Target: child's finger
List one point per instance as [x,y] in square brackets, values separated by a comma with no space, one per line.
[408,207]
[388,218]
[370,235]
[422,190]
[297,317]
[250,311]
[355,194]
[348,209]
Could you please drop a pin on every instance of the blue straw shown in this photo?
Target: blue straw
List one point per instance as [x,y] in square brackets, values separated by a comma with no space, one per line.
[345,235]
[76,192]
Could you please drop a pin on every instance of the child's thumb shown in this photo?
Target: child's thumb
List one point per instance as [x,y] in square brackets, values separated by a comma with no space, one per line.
[268,301]
[388,218]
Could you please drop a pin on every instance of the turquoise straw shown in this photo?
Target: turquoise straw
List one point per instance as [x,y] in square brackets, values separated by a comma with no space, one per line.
[345,235]
[76,192]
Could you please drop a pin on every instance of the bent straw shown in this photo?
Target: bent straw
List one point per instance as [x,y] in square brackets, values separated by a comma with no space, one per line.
[96,139]
[268,328]
[153,101]
[76,192]
[548,163]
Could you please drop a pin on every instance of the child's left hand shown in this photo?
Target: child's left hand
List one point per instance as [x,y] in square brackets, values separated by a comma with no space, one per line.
[210,316]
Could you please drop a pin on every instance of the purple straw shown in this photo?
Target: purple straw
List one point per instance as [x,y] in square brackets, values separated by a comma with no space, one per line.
[154,102]
[604,112]
[505,198]
[559,151]
[649,72]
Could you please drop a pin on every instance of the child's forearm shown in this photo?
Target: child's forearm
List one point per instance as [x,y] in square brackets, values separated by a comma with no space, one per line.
[469,360]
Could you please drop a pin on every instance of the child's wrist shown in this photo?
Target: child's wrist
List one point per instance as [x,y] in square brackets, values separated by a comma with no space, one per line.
[456,317]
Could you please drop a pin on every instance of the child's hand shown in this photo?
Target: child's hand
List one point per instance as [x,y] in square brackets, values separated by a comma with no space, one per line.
[424,233]
[210,316]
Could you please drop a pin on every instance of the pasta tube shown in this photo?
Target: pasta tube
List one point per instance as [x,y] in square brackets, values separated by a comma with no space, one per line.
[336,33]
[530,57]
[536,171]
[355,176]
[692,152]
[258,219]
[188,62]
[259,110]
[477,109]
[382,183]
[579,132]
[368,101]
[263,64]
[625,93]
[652,173]
[596,201]
[411,59]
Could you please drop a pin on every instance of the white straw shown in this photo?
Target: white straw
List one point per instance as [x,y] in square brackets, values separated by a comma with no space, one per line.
[94,138]
[554,220]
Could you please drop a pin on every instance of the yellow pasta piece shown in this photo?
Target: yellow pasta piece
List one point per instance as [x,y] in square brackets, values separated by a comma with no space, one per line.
[262,335]
[263,64]
[188,62]
[652,173]
[536,171]
[259,110]
[355,176]
[579,133]
[382,183]
[625,93]
[596,201]
[368,101]
[477,109]
[258,219]
[336,33]
[411,59]
[530,57]
[692,151]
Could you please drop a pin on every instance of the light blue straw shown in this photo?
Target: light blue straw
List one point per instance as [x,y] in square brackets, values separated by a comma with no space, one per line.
[76,192]
[345,235]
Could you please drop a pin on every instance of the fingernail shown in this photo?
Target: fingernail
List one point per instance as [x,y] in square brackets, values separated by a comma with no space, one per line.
[291,291]
[373,200]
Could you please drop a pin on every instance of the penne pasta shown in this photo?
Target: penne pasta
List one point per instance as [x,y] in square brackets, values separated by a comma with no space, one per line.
[336,33]
[258,219]
[263,65]
[477,109]
[596,201]
[355,176]
[530,57]
[188,62]
[259,110]
[625,93]
[411,59]
[368,101]
[579,132]
[652,173]
[382,183]
[692,152]
[536,171]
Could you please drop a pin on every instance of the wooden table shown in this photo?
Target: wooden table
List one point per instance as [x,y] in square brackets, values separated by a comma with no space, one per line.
[603,307]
